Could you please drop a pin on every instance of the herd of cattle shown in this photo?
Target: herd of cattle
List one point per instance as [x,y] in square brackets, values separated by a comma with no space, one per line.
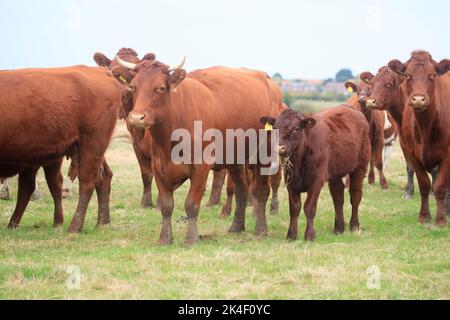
[50,114]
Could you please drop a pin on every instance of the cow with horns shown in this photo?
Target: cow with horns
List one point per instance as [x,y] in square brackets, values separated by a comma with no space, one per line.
[166,98]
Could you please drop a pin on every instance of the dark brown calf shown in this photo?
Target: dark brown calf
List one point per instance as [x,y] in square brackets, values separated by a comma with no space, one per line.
[324,148]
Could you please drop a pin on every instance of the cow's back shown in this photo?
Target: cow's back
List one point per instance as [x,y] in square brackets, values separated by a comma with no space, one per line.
[238,96]
[44,111]
[347,138]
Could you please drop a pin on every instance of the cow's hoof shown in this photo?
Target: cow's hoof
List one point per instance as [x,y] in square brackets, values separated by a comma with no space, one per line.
[292,237]
[236,229]
[424,219]
[12,226]
[191,241]
[146,202]
[165,242]
[261,232]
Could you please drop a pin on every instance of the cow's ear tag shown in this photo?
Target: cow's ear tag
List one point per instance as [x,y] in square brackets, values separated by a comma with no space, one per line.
[123,79]
[350,89]
[268,127]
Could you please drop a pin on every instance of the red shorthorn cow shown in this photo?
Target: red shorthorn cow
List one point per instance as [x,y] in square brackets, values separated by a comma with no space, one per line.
[167,98]
[417,94]
[51,113]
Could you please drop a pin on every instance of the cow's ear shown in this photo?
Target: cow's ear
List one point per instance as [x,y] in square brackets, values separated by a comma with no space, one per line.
[123,76]
[367,77]
[176,78]
[149,57]
[351,87]
[307,123]
[101,60]
[267,120]
[398,67]
[443,67]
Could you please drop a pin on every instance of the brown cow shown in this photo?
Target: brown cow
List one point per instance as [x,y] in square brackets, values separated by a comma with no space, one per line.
[377,121]
[167,98]
[142,139]
[417,95]
[65,111]
[327,147]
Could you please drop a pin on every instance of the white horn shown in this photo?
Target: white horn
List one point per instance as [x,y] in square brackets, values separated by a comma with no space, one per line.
[125,64]
[178,67]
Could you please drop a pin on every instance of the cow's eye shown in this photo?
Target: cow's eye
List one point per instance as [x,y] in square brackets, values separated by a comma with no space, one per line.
[162,89]
[390,85]
[433,76]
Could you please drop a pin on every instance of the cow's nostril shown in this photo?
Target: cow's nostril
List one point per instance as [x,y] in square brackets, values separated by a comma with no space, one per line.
[142,117]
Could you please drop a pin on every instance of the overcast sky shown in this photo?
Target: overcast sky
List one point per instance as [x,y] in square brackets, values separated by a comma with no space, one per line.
[307,39]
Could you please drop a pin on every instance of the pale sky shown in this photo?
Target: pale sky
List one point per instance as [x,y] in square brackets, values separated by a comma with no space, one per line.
[306,39]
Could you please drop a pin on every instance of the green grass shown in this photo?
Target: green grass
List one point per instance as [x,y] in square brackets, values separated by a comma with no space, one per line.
[124,261]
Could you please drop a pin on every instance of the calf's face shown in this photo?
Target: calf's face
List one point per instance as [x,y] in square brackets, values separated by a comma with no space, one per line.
[420,73]
[292,126]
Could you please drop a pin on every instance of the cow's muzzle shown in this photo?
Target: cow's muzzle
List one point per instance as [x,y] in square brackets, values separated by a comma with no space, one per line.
[281,149]
[419,102]
[137,120]
[371,103]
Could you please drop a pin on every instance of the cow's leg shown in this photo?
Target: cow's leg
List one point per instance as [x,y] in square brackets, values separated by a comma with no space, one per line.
[193,202]
[371,172]
[261,194]
[356,185]
[310,209]
[167,204]
[241,186]
[377,155]
[90,160]
[217,186]
[145,165]
[226,210]
[440,189]
[147,179]
[103,195]
[294,211]
[425,189]
[54,181]
[27,183]
[337,193]
[409,192]
[4,189]
[275,182]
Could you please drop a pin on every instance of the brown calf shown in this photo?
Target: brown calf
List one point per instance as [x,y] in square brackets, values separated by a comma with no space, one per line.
[325,148]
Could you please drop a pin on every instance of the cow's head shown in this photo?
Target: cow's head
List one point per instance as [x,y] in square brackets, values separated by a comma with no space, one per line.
[151,86]
[420,73]
[385,88]
[362,90]
[123,74]
[292,126]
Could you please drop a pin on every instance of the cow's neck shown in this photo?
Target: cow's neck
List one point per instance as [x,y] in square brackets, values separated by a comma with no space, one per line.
[396,110]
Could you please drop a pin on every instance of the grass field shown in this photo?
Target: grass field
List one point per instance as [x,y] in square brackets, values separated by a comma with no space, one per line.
[123,260]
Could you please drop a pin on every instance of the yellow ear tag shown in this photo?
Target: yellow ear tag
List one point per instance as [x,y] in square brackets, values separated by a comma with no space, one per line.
[123,79]
[268,127]
[350,89]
